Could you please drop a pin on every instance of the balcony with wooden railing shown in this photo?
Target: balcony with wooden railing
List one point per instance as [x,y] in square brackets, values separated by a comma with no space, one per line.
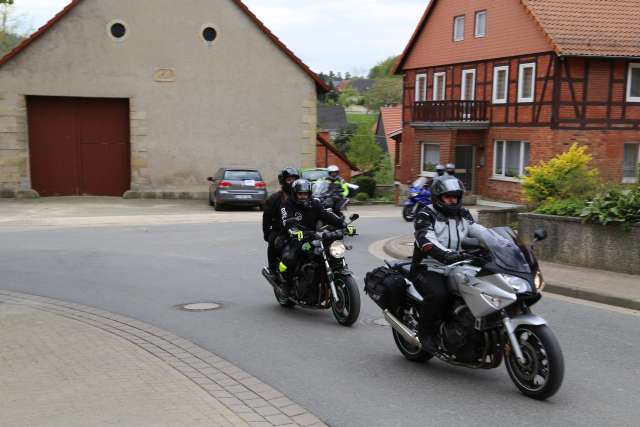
[462,114]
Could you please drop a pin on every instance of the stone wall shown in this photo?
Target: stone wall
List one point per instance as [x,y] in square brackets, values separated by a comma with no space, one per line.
[587,245]
[498,217]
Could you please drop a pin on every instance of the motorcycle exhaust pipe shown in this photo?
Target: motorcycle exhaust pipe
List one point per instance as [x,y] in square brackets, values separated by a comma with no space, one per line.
[400,328]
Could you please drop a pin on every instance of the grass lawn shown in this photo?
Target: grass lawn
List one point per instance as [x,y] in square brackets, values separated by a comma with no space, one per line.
[358,119]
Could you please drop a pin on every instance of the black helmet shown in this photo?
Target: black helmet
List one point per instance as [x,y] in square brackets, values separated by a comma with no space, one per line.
[301,186]
[287,173]
[440,170]
[447,186]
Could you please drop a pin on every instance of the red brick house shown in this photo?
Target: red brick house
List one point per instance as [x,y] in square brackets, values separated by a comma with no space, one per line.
[494,86]
[327,154]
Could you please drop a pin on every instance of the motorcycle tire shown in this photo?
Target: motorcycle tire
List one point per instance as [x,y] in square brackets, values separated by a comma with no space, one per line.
[541,375]
[410,352]
[409,213]
[347,309]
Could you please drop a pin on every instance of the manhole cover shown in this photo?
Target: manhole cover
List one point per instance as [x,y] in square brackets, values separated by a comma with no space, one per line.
[381,322]
[200,306]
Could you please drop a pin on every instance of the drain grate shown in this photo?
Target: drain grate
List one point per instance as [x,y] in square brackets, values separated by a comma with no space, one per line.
[200,306]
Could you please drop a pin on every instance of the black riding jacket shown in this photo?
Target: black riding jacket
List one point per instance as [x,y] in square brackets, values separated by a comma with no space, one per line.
[307,216]
[271,218]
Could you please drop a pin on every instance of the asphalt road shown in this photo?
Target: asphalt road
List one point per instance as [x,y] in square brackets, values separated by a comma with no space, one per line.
[347,376]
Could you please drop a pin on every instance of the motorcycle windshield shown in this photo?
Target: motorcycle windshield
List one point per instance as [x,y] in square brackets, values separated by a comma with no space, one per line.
[418,183]
[320,188]
[504,250]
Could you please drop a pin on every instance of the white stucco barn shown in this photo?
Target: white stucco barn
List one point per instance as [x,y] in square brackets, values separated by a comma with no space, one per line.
[151,97]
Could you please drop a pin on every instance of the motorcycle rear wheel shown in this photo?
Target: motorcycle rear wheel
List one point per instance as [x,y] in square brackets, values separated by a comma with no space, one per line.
[409,351]
[347,309]
[409,213]
[542,373]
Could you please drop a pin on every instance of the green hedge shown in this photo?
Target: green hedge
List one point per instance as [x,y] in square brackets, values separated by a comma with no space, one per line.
[367,185]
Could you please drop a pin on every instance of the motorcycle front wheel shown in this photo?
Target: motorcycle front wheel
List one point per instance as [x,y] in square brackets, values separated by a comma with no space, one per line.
[542,372]
[347,309]
[409,213]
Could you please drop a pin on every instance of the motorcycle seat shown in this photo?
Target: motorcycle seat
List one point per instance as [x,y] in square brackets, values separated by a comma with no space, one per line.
[402,266]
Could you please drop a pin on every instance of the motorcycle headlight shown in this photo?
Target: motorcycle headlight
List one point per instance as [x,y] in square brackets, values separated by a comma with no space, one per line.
[518,284]
[413,195]
[337,249]
[538,281]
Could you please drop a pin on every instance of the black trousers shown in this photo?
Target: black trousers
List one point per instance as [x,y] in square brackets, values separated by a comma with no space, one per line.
[291,255]
[274,248]
[437,299]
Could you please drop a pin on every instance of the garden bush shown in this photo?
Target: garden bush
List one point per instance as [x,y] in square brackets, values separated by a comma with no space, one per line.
[566,176]
[367,185]
[362,197]
[566,207]
[617,204]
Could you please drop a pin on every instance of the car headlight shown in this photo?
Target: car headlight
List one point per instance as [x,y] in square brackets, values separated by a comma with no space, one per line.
[413,194]
[518,284]
[337,249]
[538,281]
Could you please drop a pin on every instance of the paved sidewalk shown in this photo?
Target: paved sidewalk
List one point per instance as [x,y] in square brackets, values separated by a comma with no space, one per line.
[69,365]
[601,286]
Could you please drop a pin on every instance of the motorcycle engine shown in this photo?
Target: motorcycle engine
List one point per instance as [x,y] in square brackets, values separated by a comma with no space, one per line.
[458,333]
[307,288]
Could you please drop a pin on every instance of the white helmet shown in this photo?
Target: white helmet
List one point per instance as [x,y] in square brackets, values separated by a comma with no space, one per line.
[333,168]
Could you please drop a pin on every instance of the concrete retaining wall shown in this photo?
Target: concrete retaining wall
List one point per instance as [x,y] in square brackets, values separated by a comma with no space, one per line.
[498,217]
[570,241]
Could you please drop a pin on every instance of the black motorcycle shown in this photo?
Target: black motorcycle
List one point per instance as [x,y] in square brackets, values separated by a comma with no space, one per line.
[322,279]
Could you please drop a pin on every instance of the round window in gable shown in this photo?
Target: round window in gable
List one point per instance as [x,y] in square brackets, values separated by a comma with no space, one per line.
[209,34]
[118,30]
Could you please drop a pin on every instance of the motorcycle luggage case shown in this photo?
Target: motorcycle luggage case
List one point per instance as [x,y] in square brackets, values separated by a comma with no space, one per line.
[385,287]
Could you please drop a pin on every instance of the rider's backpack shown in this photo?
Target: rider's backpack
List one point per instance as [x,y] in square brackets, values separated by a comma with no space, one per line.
[385,287]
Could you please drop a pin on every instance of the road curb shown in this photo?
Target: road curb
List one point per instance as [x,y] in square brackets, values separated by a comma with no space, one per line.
[396,248]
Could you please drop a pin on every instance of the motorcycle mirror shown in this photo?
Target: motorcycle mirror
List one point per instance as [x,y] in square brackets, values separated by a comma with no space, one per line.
[540,234]
[354,217]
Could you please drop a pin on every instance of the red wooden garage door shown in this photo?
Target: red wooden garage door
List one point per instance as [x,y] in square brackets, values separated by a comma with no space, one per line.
[79,146]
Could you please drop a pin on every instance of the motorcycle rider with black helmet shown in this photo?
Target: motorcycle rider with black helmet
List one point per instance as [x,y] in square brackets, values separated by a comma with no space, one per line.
[301,212]
[271,218]
[440,229]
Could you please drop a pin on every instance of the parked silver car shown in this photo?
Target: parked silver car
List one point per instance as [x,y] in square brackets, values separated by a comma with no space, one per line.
[237,187]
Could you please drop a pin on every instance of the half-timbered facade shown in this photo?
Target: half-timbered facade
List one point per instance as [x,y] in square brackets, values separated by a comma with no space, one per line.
[496,86]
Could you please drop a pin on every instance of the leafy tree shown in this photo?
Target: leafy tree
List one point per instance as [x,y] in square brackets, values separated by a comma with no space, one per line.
[6,1]
[347,76]
[9,36]
[385,91]
[384,174]
[341,140]
[384,68]
[349,96]
[363,150]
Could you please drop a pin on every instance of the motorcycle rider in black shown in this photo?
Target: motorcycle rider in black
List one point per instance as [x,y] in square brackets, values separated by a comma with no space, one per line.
[306,211]
[439,231]
[271,217]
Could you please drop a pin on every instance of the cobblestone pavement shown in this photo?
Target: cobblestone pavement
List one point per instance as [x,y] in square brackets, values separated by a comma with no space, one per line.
[64,364]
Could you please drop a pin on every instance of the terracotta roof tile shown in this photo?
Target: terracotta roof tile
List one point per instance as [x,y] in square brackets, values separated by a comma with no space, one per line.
[392,119]
[608,28]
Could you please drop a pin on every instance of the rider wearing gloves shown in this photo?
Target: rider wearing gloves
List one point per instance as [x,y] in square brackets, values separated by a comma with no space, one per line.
[271,220]
[439,231]
[336,181]
[299,213]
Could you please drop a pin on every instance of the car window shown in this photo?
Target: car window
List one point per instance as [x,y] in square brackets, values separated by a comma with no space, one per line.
[314,175]
[242,175]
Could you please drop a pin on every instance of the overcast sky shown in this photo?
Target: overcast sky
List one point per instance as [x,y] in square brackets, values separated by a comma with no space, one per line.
[339,35]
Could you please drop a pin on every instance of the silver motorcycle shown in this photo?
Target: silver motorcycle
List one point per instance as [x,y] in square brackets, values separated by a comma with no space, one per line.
[490,317]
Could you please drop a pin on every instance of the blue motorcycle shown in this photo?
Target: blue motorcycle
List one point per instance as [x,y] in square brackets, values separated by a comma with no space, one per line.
[419,197]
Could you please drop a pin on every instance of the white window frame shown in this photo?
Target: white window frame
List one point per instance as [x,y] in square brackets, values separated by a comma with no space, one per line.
[494,97]
[631,180]
[463,87]
[422,148]
[521,69]
[632,66]
[418,97]
[436,78]
[475,32]
[458,37]
[503,176]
